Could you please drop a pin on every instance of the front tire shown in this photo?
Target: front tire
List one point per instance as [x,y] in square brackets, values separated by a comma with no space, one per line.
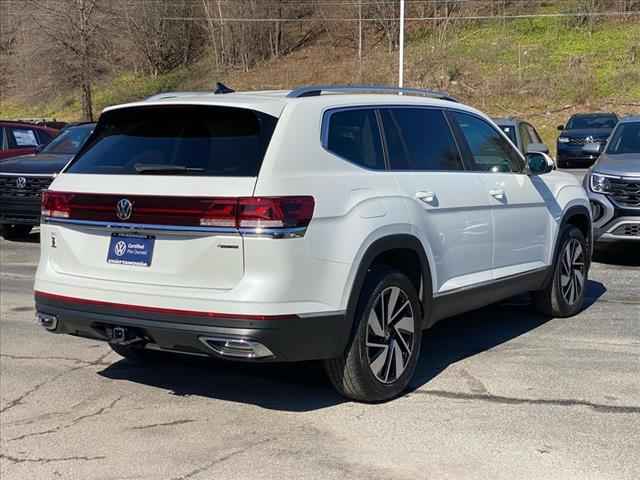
[382,357]
[564,295]
[15,232]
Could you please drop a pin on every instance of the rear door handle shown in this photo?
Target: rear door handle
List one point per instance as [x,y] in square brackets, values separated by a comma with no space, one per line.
[497,193]
[426,197]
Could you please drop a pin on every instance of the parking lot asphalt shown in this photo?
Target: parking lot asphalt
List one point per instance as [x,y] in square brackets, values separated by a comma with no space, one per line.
[500,393]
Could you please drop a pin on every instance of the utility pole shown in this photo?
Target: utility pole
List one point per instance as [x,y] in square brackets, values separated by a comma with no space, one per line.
[401,62]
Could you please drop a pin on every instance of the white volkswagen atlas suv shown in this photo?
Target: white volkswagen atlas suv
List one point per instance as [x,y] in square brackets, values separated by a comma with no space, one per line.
[324,223]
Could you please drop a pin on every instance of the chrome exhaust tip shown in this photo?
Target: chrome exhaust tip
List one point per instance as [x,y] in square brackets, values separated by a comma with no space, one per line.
[49,322]
[237,347]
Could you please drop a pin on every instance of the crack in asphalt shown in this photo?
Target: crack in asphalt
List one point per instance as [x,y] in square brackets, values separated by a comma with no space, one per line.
[18,401]
[221,459]
[73,422]
[69,359]
[530,401]
[166,424]
[49,460]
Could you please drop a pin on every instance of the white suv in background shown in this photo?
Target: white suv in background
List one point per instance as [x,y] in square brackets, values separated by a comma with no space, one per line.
[330,223]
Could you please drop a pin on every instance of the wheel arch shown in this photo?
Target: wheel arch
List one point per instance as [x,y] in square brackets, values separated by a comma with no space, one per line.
[399,251]
[580,217]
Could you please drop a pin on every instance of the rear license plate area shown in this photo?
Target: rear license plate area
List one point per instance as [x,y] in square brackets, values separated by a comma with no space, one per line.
[134,250]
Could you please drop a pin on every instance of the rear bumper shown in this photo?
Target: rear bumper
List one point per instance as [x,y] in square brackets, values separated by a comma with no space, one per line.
[287,337]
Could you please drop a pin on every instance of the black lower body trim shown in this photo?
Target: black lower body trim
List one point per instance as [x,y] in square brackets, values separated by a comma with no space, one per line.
[454,303]
[290,339]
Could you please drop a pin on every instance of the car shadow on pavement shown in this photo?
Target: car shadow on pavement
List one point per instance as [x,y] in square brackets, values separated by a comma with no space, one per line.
[474,332]
[301,387]
[623,253]
[33,237]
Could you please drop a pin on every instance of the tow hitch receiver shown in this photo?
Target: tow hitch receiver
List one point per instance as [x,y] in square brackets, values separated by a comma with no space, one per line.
[123,336]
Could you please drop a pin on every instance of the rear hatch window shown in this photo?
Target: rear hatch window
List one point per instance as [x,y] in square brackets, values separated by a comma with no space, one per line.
[177,140]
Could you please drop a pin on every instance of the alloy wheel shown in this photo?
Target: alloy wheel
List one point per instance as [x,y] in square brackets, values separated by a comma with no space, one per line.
[572,275]
[390,334]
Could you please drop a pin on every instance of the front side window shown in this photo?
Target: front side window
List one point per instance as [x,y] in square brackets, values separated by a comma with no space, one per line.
[489,150]
[177,140]
[526,137]
[354,136]
[625,139]
[45,137]
[419,139]
[510,131]
[22,138]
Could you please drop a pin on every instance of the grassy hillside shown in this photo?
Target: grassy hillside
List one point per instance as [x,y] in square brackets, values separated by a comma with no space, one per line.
[543,69]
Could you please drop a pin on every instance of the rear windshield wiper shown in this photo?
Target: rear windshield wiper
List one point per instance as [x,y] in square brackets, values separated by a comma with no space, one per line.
[147,168]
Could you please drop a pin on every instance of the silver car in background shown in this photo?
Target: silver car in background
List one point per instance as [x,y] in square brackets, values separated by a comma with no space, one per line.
[613,184]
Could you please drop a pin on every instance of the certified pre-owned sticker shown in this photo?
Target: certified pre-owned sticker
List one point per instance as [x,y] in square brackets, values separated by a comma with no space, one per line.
[131,249]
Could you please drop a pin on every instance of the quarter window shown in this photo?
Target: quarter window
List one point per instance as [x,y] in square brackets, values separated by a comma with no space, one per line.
[489,150]
[419,139]
[354,135]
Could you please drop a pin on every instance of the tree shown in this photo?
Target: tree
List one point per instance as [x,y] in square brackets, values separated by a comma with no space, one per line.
[163,42]
[67,42]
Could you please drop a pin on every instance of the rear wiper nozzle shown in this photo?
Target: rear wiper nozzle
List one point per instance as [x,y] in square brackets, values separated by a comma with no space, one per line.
[165,169]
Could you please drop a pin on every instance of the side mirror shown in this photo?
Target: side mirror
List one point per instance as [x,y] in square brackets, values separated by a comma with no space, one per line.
[537,148]
[592,149]
[561,127]
[540,163]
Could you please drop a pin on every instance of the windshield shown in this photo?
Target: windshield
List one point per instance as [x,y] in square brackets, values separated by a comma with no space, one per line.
[178,140]
[510,131]
[600,121]
[69,141]
[625,139]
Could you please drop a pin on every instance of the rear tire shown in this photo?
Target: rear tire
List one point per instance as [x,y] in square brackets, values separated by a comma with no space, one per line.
[137,355]
[382,357]
[564,295]
[15,232]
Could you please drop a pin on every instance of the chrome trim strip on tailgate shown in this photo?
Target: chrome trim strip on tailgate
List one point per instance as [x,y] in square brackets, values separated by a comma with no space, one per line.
[180,230]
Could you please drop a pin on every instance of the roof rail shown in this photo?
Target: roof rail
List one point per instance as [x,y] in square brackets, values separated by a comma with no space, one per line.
[315,90]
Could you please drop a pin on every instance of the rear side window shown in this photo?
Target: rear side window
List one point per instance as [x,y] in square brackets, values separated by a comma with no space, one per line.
[489,150]
[419,139]
[177,140]
[354,136]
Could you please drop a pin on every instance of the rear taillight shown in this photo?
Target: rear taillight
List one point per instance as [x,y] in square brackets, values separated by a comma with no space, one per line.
[275,212]
[222,212]
[56,204]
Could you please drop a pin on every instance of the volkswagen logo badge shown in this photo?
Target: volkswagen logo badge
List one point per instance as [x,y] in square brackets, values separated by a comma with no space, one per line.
[589,139]
[124,209]
[120,249]
[21,183]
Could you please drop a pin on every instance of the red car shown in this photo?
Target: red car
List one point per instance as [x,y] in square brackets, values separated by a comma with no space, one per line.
[21,138]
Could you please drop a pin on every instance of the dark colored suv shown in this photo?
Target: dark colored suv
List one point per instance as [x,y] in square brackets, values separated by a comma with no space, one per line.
[22,138]
[580,130]
[23,178]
